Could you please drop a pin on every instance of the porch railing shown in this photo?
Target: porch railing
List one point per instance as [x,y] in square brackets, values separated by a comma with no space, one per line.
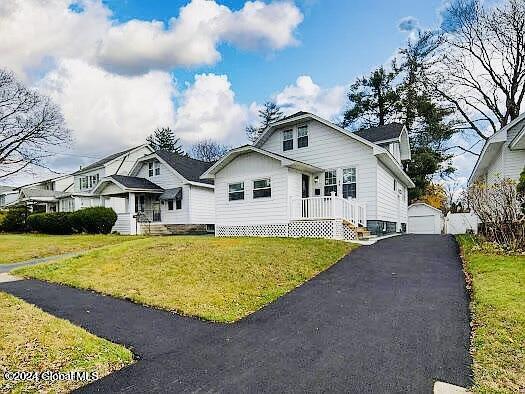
[328,207]
[149,215]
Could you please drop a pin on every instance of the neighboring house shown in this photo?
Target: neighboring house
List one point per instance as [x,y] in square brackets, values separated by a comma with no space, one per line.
[161,193]
[8,195]
[306,176]
[424,219]
[503,155]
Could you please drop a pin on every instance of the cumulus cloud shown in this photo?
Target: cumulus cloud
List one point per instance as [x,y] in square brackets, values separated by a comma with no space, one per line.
[208,110]
[106,111]
[305,95]
[33,31]
[408,24]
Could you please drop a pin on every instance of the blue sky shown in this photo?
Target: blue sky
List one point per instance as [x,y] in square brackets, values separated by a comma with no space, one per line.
[339,40]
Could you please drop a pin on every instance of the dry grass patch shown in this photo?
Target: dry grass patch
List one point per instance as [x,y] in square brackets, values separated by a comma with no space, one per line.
[32,340]
[21,247]
[498,306]
[219,279]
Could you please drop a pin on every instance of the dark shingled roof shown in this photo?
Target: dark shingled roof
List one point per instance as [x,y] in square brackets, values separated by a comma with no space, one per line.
[189,168]
[381,133]
[134,182]
[104,160]
[300,113]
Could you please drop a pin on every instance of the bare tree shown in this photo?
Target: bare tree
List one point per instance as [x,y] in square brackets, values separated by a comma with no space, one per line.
[29,125]
[208,150]
[479,68]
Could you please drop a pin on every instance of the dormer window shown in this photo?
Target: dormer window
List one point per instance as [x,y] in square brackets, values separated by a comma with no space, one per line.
[287,140]
[302,136]
[153,168]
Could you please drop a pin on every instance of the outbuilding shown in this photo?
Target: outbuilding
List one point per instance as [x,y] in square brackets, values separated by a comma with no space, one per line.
[424,219]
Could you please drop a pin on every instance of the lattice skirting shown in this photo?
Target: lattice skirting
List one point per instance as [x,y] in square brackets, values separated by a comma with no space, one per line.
[331,229]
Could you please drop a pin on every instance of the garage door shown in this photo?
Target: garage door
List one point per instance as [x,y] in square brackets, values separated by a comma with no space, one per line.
[422,224]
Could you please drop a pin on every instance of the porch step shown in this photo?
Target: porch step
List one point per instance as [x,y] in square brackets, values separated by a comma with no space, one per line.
[154,229]
[362,232]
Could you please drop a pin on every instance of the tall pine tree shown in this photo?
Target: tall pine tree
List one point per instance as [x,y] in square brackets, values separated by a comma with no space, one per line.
[270,113]
[163,138]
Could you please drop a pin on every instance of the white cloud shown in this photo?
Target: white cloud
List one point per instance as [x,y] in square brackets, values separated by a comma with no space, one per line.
[208,110]
[105,111]
[36,31]
[305,95]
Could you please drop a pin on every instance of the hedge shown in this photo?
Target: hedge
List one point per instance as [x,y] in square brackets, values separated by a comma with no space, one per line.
[50,223]
[14,219]
[98,220]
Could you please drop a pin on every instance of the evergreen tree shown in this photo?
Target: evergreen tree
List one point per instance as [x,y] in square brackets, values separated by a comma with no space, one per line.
[163,138]
[270,113]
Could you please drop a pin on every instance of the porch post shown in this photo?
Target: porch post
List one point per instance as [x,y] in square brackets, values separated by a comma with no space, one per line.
[131,212]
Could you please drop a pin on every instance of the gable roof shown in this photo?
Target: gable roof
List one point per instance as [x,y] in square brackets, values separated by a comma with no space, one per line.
[29,193]
[426,205]
[134,182]
[234,153]
[106,159]
[381,133]
[190,169]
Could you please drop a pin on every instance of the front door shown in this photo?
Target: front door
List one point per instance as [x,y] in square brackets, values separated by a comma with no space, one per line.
[155,206]
[306,194]
[306,186]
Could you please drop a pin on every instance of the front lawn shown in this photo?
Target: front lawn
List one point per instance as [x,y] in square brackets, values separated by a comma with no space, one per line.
[219,279]
[21,247]
[498,307]
[32,340]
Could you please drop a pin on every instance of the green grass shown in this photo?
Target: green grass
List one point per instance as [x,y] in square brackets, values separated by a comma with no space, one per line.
[21,247]
[498,307]
[32,340]
[218,279]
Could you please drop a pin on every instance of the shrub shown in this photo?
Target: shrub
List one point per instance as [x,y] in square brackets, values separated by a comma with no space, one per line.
[97,220]
[2,217]
[50,223]
[14,219]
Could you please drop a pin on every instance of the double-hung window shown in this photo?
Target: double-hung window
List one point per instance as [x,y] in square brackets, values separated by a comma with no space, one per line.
[262,188]
[302,136]
[330,182]
[153,168]
[287,140]
[236,191]
[170,205]
[349,183]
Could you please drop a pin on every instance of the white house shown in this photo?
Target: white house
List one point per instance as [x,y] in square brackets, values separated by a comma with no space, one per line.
[8,195]
[424,219]
[161,193]
[503,155]
[306,176]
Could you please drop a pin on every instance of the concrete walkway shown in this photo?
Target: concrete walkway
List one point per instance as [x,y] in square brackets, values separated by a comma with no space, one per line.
[391,317]
[10,267]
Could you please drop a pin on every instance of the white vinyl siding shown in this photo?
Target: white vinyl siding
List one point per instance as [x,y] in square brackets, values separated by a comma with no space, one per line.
[330,149]
[391,206]
[93,173]
[178,216]
[495,170]
[167,179]
[247,168]
[202,205]
[513,160]
[125,163]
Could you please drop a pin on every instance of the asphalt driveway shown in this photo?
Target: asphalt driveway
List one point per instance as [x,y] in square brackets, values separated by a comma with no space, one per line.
[391,317]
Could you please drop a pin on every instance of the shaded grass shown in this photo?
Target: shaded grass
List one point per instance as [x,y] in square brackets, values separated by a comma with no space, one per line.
[20,247]
[498,307]
[32,340]
[219,279]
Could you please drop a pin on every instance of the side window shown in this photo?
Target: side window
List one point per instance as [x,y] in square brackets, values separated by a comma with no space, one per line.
[330,182]
[156,165]
[262,188]
[236,191]
[150,169]
[170,205]
[178,204]
[302,136]
[287,140]
[349,183]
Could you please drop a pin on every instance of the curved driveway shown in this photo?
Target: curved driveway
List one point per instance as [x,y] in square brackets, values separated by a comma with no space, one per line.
[391,317]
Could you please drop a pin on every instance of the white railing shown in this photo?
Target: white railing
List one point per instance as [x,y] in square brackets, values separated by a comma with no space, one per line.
[332,207]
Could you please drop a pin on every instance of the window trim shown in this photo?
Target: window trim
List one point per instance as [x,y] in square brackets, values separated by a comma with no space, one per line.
[269,187]
[348,183]
[243,191]
[287,140]
[153,169]
[303,126]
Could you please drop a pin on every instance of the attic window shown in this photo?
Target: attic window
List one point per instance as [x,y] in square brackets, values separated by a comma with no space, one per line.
[287,140]
[153,168]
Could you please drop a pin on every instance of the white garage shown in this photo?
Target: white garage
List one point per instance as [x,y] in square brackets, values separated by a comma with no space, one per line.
[424,219]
